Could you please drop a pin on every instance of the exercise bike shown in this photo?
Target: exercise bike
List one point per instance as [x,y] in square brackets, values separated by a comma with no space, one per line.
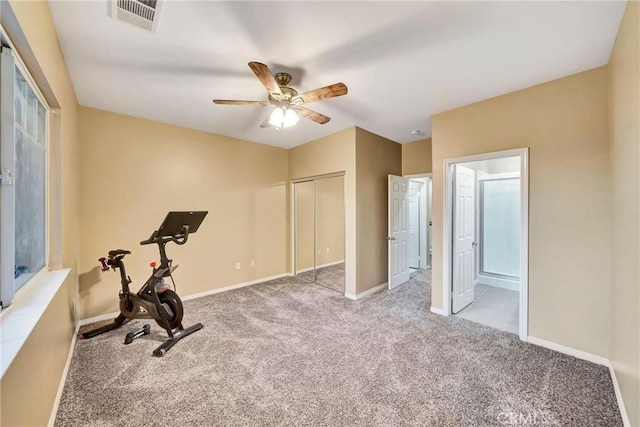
[154,300]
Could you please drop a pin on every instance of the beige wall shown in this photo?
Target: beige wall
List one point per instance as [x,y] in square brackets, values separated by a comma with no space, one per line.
[565,125]
[624,104]
[30,385]
[134,171]
[376,158]
[416,157]
[28,388]
[333,153]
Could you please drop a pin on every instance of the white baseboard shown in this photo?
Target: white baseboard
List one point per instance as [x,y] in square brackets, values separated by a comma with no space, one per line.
[589,358]
[616,388]
[63,380]
[365,293]
[498,282]
[437,310]
[329,264]
[192,296]
[232,287]
[593,358]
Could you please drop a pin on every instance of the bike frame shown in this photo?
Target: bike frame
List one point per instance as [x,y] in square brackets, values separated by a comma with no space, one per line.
[146,303]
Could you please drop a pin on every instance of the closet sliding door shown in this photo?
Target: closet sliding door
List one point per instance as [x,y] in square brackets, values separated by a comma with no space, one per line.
[319,229]
[305,230]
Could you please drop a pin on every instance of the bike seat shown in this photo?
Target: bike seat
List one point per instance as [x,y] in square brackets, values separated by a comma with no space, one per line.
[117,252]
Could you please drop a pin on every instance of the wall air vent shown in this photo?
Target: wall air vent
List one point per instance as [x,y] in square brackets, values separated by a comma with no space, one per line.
[139,13]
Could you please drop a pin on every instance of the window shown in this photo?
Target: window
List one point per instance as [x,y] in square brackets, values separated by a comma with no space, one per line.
[23,189]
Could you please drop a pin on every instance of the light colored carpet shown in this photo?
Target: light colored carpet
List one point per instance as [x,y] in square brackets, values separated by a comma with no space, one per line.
[288,352]
[331,277]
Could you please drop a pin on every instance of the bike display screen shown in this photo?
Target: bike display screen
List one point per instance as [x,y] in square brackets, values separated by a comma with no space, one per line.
[175,221]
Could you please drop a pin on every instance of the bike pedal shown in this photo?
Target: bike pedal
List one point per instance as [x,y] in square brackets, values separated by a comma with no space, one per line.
[137,334]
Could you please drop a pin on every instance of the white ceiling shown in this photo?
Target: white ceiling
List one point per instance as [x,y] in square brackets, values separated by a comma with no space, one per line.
[402,61]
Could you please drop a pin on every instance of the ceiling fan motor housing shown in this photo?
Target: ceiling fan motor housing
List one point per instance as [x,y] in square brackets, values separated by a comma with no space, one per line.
[282,79]
[287,93]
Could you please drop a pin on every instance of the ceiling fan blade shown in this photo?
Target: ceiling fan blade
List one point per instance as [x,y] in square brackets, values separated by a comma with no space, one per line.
[266,123]
[240,102]
[331,91]
[312,115]
[263,73]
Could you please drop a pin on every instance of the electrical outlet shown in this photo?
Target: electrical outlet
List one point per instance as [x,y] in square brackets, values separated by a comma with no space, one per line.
[237,266]
[319,251]
[327,250]
[253,263]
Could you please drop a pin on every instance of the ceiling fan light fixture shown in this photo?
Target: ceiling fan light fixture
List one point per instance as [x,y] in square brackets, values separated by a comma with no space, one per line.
[283,117]
[277,117]
[290,118]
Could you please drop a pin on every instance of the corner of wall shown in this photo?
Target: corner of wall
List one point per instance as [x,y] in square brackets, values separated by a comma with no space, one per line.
[416,157]
[624,157]
[376,158]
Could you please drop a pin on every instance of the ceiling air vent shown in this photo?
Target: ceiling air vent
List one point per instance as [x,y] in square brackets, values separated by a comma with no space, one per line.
[139,13]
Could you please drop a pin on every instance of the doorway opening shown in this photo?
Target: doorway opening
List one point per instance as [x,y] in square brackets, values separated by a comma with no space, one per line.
[419,223]
[486,239]
[319,231]
[409,226]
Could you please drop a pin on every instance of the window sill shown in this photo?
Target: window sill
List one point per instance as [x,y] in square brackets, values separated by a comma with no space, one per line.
[18,321]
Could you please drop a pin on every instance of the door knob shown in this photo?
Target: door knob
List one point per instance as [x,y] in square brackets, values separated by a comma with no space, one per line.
[391,238]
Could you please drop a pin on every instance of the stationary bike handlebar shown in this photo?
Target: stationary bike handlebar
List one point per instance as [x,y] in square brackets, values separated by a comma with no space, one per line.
[178,239]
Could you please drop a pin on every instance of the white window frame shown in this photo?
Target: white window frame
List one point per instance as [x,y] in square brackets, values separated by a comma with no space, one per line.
[8,294]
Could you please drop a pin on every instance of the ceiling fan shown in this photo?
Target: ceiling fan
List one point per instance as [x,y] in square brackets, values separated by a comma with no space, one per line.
[287,101]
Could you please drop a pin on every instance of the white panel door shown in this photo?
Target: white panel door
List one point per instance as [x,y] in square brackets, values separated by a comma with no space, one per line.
[463,237]
[398,237]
